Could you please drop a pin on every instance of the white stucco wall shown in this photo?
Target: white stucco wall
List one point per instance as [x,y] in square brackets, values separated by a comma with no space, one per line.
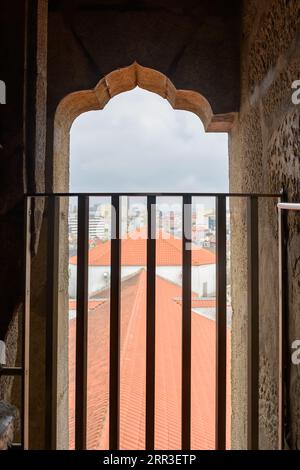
[202,274]
[97,280]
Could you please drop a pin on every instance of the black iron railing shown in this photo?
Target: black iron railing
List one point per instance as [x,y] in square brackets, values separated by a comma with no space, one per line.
[53,204]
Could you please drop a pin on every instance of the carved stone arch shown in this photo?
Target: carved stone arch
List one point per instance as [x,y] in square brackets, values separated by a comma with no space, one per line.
[119,81]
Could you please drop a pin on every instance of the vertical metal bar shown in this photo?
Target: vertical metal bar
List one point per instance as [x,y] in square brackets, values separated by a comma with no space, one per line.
[115,306]
[82,323]
[281,324]
[26,324]
[51,323]
[186,322]
[221,323]
[253,322]
[150,333]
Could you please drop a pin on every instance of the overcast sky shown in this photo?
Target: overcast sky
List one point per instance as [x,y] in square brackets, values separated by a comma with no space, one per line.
[139,143]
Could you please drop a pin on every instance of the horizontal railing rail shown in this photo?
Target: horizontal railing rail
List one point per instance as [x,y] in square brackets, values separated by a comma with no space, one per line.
[115,316]
[157,194]
[289,206]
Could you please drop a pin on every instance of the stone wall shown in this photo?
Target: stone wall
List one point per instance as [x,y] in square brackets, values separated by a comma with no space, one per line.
[23,59]
[264,157]
[12,166]
[12,159]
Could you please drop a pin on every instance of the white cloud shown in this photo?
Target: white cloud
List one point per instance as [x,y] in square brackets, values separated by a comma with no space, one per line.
[139,143]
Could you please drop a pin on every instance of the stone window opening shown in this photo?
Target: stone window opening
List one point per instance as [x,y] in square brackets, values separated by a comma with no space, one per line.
[80,102]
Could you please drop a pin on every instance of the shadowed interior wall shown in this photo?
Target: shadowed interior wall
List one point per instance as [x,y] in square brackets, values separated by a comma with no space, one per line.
[12,158]
[23,58]
[264,157]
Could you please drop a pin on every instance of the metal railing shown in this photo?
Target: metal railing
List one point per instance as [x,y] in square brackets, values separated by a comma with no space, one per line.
[289,206]
[283,208]
[53,202]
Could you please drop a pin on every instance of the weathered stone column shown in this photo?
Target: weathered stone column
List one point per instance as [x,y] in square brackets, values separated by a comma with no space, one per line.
[264,157]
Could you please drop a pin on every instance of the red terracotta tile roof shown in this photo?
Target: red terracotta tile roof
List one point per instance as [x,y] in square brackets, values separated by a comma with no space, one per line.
[168,252]
[203,303]
[168,371]
[198,303]
[92,304]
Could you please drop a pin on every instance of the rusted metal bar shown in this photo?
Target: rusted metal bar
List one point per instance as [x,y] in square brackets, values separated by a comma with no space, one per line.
[115,309]
[51,322]
[150,333]
[24,370]
[253,323]
[168,194]
[221,323]
[288,206]
[82,324]
[11,372]
[282,321]
[186,322]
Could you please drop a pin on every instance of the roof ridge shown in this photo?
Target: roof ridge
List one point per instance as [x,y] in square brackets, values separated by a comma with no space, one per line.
[134,311]
[124,279]
[169,281]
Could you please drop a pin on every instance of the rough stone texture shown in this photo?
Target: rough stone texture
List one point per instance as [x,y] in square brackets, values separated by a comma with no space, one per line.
[264,156]
[12,356]
[23,58]
[12,164]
